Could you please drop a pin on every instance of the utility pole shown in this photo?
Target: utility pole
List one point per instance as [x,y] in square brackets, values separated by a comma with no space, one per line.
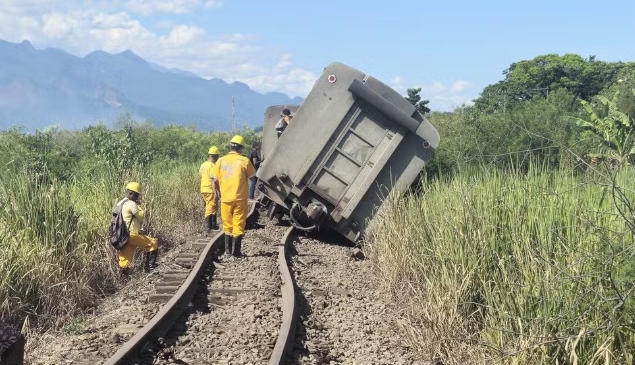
[233,113]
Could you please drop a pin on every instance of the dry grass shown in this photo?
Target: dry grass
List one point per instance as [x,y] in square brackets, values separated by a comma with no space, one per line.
[499,267]
[55,261]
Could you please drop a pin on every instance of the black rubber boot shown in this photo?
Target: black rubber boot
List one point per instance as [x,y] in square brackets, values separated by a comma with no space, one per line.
[212,225]
[228,244]
[151,260]
[208,223]
[125,271]
[238,243]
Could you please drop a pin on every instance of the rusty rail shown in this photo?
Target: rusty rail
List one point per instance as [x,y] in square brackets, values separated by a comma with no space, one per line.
[286,335]
[159,325]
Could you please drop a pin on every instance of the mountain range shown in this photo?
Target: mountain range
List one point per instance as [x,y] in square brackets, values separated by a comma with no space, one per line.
[40,88]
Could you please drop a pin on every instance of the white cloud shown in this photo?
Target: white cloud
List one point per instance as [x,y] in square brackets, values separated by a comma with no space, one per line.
[397,83]
[437,87]
[147,7]
[56,25]
[442,97]
[113,26]
[460,85]
[182,35]
[213,4]
[449,102]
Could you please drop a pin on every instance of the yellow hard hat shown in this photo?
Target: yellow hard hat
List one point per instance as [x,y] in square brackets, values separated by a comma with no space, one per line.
[213,150]
[238,140]
[134,186]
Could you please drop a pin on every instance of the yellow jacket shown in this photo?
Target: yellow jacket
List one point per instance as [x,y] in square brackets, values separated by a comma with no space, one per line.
[233,172]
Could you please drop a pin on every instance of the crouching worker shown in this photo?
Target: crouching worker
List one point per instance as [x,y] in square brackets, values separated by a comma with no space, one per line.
[133,215]
[232,173]
[11,345]
[208,189]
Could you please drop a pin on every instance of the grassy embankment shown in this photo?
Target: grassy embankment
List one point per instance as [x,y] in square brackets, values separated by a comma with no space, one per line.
[500,267]
[55,257]
[57,191]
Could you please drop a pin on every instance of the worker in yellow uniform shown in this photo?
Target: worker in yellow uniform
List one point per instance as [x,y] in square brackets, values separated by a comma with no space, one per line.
[208,189]
[232,173]
[133,214]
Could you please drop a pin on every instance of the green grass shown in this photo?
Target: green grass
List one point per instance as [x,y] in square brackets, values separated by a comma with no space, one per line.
[57,191]
[55,260]
[518,269]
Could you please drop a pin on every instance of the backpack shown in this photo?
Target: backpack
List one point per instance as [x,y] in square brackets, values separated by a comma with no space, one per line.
[118,233]
[281,125]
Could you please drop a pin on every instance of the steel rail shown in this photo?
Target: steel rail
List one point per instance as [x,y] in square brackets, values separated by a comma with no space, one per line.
[161,323]
[286,335]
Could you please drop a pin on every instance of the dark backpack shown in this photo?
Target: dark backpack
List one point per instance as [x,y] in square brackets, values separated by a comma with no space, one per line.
[118,233]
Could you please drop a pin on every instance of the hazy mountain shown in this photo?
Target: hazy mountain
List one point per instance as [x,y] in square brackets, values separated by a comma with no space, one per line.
[46,87]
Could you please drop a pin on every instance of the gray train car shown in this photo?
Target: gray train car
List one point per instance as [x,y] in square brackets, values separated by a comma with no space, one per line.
[352,142]
[269,135]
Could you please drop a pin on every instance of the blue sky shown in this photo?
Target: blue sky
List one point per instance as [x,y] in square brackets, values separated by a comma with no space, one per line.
[451,49]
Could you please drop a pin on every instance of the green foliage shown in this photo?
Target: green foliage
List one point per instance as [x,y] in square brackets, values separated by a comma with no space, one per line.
[57,190]
[532,268]
[415,99]
[535,131]
[50,152]
[528,79]
[614,127]
[75,326]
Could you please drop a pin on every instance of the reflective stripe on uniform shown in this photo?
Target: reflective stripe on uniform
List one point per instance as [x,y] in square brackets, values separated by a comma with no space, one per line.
[233,172]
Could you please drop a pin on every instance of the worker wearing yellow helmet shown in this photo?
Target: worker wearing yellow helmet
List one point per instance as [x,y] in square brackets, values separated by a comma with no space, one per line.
[232,173]
[208,190]
[133,215]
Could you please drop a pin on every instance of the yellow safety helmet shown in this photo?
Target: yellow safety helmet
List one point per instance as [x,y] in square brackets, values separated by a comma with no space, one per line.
[213,150]
[134,186]
[238,140]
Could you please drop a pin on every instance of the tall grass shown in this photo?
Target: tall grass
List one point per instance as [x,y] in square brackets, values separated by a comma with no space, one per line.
[497,266]
[54,257]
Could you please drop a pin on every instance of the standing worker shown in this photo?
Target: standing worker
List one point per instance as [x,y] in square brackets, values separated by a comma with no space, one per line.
[255,160]
[208,189]
[133,215]
[232,172]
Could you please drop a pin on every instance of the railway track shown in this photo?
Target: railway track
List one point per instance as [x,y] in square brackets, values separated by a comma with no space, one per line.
[232,311]
[291,300]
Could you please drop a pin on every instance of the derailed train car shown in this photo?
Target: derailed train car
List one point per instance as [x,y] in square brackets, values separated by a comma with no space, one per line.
[269,135]
[351,142]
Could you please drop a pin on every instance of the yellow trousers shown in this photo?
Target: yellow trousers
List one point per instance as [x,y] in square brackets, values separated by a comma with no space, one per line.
[136,241]
[234,216]
[210,204]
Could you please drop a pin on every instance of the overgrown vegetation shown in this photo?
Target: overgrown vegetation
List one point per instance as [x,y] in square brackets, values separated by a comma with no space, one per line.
[522,250]
[519,250]
[57,189]
[531,268]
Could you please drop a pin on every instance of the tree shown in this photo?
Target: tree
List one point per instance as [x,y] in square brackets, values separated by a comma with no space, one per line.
[614,127]
[415,99]
[529,79]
